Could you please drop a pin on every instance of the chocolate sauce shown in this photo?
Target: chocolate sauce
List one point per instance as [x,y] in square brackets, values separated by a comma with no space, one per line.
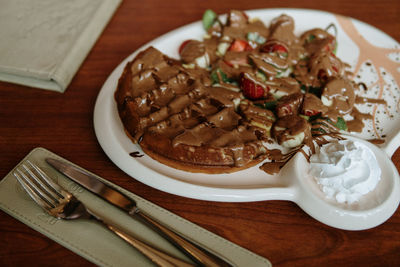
[365,100]
[377,141]
[195,106]
[136,154]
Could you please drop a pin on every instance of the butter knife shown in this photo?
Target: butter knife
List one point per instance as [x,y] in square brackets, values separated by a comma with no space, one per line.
[120,200]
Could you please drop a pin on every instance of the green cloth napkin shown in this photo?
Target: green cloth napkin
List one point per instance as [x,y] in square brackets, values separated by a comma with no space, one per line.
[97,244]
[44,42]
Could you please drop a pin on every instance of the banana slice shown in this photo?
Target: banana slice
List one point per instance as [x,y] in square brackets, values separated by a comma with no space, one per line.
[291,131]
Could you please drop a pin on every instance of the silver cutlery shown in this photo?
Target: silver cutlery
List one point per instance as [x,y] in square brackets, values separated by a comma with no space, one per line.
[117,198]
[61,204]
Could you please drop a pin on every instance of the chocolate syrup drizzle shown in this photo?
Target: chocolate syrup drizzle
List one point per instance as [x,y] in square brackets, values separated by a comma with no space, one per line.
[201,114]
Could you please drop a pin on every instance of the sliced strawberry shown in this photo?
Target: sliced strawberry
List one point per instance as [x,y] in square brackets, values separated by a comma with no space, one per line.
[284,110]
[289,105]
[311,112]
[330,46]
[273,47]
[240,46]
[312,105]
[241,61]
[250,88]
[227,62]
[182,46]
[322,75]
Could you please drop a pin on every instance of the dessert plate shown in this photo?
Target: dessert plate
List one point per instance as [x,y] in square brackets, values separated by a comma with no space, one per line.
[373,56]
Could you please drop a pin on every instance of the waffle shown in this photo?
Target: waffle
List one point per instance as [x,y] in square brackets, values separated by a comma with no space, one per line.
[180,120]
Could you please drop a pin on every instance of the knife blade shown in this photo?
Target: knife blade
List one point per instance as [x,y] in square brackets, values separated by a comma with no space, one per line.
[94,185]
[120,200]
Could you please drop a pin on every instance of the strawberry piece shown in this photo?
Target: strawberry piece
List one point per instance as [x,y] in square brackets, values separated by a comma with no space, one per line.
[250,88]
[285,110]
[289,104]
[322,75]
[330,46]
[230,64]
[182,46]
[311,112]
[242,61]
[240,46]
[274,48]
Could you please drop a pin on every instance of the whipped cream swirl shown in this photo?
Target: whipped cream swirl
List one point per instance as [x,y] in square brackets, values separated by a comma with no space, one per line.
[345,170]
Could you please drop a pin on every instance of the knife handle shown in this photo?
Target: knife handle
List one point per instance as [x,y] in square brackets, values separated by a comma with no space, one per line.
[197,254]
[156,256]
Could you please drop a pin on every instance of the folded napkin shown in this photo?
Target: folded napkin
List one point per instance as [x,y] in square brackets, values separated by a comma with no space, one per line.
[97,244]
[44,42]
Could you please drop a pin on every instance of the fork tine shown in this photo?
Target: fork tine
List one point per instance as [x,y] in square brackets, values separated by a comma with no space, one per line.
[32,192]
[46,182]
[39,182]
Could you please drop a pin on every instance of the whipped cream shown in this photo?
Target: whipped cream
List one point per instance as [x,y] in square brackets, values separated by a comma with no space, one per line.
[345,170]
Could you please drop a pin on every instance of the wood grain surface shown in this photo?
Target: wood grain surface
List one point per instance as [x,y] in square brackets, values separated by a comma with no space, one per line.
[63,123]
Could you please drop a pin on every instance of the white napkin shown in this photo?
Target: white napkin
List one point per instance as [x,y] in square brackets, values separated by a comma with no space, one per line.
[44,42]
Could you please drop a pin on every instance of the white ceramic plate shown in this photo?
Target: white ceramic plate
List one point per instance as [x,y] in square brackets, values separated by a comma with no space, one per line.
[356,40]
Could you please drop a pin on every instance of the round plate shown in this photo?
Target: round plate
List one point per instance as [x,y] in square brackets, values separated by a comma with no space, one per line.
[373,55]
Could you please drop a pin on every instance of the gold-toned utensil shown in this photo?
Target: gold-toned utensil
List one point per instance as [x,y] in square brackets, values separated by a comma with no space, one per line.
[61,204]
[199,255]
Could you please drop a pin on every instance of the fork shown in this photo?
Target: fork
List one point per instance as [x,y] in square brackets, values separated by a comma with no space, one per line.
[61,204]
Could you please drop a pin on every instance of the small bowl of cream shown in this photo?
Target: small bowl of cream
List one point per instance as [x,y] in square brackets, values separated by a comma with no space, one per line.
[345,170]
[348,184]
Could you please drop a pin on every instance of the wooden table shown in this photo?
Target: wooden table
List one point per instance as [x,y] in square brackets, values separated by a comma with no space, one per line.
[63,123]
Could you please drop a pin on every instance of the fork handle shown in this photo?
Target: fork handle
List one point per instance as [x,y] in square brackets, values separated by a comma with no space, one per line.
[158,257]
[198,255]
